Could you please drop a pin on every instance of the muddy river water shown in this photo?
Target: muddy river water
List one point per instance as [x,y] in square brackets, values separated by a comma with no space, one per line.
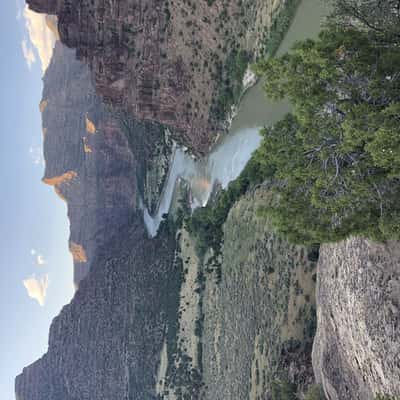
[230,155]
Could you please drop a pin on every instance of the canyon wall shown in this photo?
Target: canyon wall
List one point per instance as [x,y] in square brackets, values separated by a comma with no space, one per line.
[106,343]
[357,346]
[96,156]
[164,61]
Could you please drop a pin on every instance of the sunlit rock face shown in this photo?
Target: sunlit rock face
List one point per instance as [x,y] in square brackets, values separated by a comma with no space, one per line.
[356,349]
[161,60]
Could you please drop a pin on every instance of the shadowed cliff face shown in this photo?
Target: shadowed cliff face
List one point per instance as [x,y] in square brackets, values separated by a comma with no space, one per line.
[89,160]
[356,348]
[160,60]
[106,343]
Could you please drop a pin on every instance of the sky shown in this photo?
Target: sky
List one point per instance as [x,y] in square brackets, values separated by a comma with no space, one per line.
[35,265]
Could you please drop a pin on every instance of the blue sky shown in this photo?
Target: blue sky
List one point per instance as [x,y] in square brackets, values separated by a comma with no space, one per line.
[33,222]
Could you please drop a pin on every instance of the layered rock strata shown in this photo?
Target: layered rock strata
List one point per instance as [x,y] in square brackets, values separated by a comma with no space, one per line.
[356,351]
[163,61]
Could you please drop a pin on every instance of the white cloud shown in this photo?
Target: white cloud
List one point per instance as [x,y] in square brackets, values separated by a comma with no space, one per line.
[36,155]
[41,36]
[40,260]
[28,53]
[37,288]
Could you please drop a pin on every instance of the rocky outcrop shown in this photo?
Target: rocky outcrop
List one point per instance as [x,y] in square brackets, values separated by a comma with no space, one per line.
[106,343]
[163,60]
[356,351]
[96,156]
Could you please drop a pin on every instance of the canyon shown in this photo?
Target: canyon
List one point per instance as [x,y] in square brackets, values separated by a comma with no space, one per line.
[130,84]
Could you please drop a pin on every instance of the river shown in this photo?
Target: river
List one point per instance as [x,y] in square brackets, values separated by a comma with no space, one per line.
[230,155]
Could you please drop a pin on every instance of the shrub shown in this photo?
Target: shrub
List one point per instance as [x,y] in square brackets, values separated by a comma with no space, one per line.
[314,392]
[282,389]
[206,223]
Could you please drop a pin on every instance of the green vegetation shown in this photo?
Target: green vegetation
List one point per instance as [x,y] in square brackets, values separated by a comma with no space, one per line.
[336,158]
[335,161]
[230,78]
[206,223]
[386,397]
[229,74]
[280,25]
[182,378]
[282,389]
[314,392]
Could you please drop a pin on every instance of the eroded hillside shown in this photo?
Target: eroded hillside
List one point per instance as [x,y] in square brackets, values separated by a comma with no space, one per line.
[179,63]
[247,318]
